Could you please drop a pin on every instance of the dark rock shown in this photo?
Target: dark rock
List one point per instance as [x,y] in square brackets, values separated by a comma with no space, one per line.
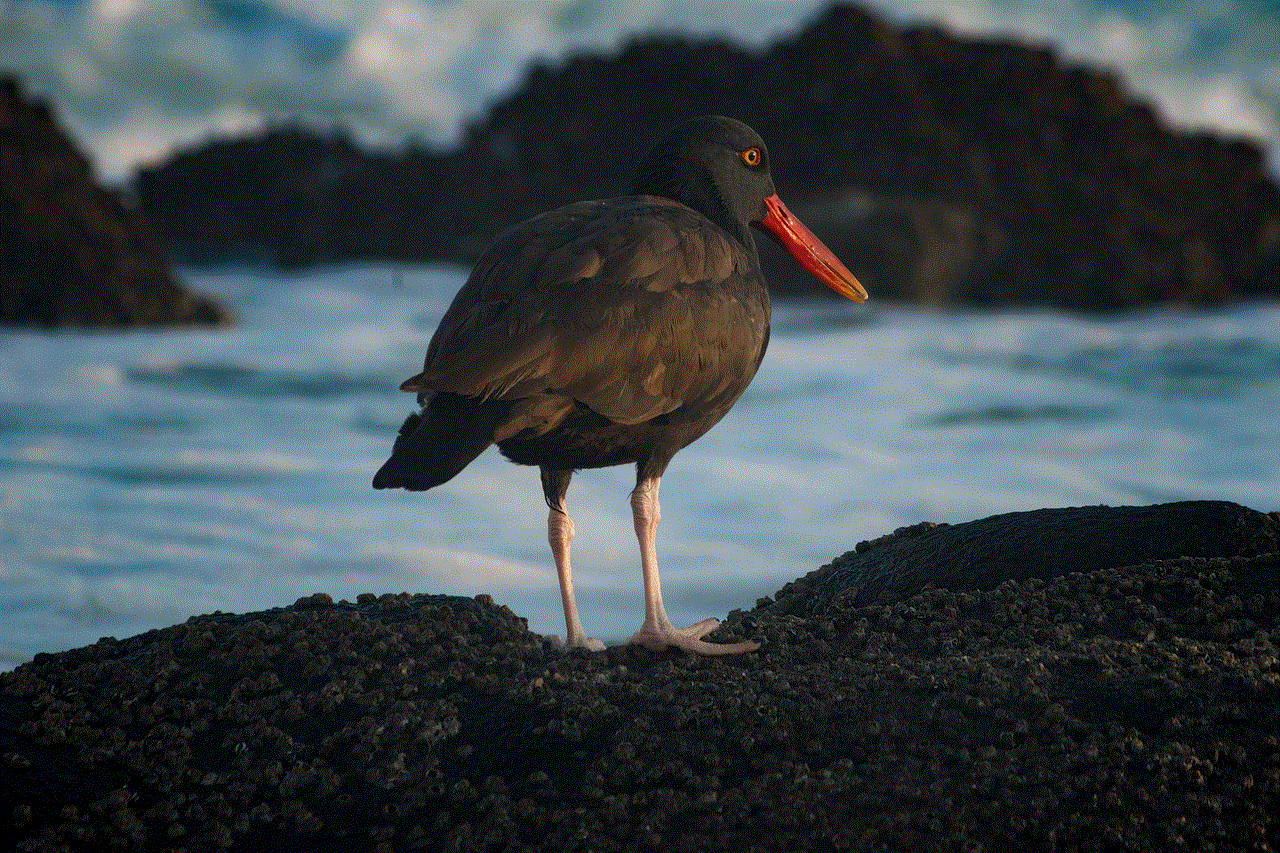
[1131,706]
[1041,544]
[953,170]
[918,250]
[71,252]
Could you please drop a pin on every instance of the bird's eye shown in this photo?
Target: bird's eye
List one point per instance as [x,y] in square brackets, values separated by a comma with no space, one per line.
[751,157]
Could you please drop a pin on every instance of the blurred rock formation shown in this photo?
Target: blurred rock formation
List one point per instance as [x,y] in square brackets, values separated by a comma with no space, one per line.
[72,252]
[944,170]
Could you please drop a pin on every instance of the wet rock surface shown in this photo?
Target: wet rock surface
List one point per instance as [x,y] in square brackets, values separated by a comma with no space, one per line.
[1133,706]
[73,253]
[943,169]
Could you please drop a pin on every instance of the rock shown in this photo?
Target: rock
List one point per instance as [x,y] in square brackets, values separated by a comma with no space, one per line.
[301,185]
[955,170]
[1042,544]
[1131,706]
[71,252]
[919,250]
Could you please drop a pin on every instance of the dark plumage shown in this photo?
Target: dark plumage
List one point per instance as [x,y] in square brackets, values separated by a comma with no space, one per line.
[611,332]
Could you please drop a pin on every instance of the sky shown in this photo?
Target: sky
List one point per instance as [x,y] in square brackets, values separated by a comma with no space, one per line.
[133,79]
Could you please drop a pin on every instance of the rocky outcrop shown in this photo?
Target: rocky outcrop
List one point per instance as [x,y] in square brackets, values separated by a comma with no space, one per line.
[72,252]
[1042,544]
[1118,692]
[951,169]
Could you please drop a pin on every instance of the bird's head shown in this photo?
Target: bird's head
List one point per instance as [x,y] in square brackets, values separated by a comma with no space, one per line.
[720,167]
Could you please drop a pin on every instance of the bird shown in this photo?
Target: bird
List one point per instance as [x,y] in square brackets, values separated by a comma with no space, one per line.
[613,332]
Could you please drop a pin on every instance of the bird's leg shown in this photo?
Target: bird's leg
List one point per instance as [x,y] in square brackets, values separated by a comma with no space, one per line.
[559,535]
[657,632]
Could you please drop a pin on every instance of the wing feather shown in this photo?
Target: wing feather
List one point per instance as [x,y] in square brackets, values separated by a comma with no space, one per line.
[619,305]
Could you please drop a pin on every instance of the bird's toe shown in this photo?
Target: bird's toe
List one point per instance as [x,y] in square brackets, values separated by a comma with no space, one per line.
[656,639]
[698,630]
[591,644]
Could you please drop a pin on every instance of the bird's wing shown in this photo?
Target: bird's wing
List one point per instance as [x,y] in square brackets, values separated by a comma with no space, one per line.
[622,305]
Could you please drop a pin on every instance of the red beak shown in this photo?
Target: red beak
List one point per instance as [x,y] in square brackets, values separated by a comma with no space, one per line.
[808,250]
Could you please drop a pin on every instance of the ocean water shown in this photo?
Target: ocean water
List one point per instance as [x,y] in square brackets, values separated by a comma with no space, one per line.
[149,476]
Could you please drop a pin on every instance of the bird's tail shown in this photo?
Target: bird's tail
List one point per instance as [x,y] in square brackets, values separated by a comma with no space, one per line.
[438,442]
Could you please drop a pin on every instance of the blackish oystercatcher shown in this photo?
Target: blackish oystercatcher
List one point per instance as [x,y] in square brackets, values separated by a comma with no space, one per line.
[610,332]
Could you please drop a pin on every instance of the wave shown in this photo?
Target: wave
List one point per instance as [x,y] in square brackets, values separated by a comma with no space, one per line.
[133,89]
[243,380]
[1192,367]
[1015,414]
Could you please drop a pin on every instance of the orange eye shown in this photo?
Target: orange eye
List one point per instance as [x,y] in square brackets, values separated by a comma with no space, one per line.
[751,157]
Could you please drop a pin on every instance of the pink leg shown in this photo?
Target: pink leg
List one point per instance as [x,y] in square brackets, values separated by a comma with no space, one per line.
[658,633]
[560,534]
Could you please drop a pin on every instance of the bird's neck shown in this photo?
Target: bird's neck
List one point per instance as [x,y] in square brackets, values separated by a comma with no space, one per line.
[718,211]
[697,190]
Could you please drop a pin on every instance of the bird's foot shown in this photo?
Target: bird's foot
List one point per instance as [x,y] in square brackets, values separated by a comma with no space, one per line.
[591,644]
[657,638]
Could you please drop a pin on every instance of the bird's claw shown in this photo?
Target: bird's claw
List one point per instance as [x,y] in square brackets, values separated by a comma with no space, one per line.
[656,639]
[591,644]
